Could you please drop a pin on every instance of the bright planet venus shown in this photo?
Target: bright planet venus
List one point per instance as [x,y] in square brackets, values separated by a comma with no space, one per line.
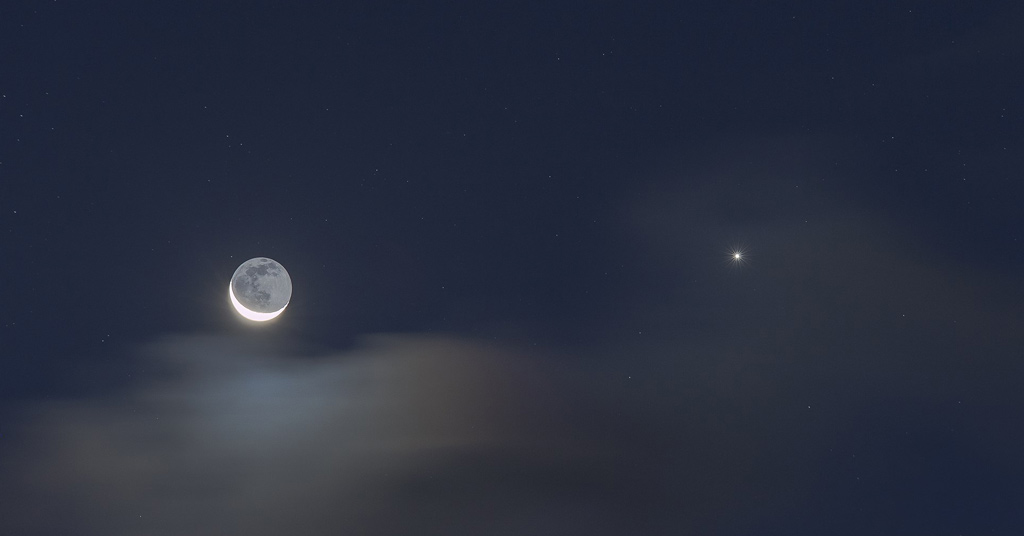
[260,289]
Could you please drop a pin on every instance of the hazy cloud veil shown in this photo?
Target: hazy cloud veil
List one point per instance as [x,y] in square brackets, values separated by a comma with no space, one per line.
[236,440]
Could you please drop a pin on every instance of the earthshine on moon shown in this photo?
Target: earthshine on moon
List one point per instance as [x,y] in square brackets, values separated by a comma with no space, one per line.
[260,289]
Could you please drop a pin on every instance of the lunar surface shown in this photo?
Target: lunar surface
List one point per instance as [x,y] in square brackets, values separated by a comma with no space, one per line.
[260,289]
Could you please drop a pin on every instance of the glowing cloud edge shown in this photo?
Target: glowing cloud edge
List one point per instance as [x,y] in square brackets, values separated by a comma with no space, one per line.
[250,314]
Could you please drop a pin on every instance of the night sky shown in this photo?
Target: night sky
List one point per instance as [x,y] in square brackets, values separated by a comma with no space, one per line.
[510,230]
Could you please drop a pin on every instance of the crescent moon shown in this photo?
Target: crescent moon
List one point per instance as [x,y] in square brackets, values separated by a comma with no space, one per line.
[249,313]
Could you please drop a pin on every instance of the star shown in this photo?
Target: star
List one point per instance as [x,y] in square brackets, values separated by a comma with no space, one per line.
[738,256]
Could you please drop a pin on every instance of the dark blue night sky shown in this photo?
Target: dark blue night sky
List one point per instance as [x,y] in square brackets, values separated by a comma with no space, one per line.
[509,229]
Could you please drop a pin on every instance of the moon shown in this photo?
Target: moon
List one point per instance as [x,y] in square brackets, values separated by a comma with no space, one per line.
[260,289]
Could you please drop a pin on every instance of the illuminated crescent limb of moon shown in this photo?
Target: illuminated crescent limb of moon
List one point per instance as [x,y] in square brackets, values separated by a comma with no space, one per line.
[250,314]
